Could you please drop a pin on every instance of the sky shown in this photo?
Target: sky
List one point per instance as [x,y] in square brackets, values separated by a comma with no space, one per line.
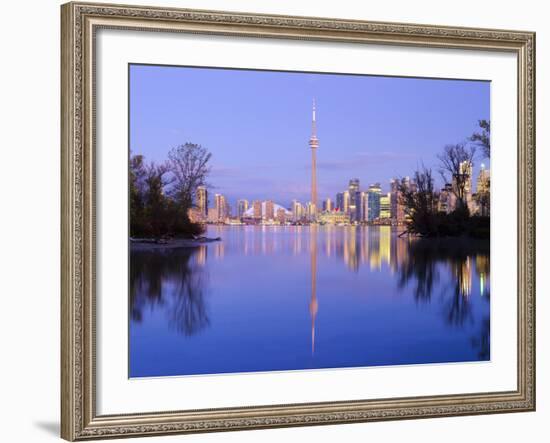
[257,126]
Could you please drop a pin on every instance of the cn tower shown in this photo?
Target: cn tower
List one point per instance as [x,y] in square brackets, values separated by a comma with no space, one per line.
[314,144]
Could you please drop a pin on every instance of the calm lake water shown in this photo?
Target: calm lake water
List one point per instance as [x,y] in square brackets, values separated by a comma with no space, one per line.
[285,298]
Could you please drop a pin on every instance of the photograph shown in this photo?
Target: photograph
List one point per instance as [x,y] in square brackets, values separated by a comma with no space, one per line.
[285,221]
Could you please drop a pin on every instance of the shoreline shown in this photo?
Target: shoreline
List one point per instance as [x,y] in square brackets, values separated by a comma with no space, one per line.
[148,244]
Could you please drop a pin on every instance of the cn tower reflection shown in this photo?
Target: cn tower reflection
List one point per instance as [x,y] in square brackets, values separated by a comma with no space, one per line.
[313,304]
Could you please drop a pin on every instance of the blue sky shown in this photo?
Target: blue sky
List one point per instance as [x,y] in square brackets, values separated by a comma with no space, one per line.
[257,125]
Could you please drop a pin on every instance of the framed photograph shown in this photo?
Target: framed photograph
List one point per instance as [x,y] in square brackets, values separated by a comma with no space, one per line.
[283,221]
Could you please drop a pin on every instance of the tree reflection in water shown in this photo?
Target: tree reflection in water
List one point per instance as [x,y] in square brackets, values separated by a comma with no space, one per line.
[425,260]
[173,280]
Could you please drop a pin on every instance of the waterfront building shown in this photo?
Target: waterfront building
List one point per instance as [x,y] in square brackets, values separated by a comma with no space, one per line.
[222,207]
[327,205]
[446,201]
[281,216]
[464,176]
[269,210]
[313,144]
[242,207]
[333,218]
[354,195]
[346,202]
[311,211]
[385,206]
[374,193]
[213,215]
[364,205]
[202,202]
[339,201]
[257,209]
[483,195]
[297,211]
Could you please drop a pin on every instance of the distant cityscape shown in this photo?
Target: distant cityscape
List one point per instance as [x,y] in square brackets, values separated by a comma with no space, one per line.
[349,206]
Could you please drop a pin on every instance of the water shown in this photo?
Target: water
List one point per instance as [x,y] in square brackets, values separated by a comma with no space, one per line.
[271,298]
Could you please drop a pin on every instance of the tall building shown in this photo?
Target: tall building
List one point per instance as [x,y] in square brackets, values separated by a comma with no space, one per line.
[242,207]
[364,205]
[464,178]
[269,210]
[374,193]
[297,211]
[397,208]
[446,200]
[483,193]
[394,197]
[345,205]
[339,206]
[257,209]
[327,205]
[354,195]
[222,207]
[313,144]
[385,206]
[281,216]
[202,201]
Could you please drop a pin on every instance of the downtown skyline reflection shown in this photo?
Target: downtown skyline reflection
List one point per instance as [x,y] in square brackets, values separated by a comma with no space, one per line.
[276,297]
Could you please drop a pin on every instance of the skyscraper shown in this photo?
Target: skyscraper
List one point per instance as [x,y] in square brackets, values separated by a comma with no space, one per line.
[374,201]
[269,210]
[202,201]
[242,207]
[257,209]
[385,205]
[483,195]
[345,205]
[354,196]
[327,205]
[314,144]
[297,211]
[221,207]
[339,201]
[364,205]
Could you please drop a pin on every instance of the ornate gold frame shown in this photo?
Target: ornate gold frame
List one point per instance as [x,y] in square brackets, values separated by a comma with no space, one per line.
[79,420]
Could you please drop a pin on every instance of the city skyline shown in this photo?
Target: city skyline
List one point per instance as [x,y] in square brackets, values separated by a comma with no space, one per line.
[266,172]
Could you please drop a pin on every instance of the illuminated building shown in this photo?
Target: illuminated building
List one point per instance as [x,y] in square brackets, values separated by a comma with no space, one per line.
[202,201]
[269,210]
[333,218]
[364,205]
[242,207]
[483,194]
[222,207]
[297,211]
[327,205]
[313,144]
[464,177]
[339,201]
[354,195]
[346,203]
[385,206]
[281,216]
[213,215]
[257,209]
[446,200]
[374,201]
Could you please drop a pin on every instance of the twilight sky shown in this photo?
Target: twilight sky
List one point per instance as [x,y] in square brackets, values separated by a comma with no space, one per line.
[257,125]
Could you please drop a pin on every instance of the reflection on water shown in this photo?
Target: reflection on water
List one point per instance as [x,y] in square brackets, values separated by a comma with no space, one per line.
[369,298]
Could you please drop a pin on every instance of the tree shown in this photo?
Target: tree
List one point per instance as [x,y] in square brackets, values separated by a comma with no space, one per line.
[156,203]
[420,203]
[189,166]
[137,195]
[456,163]
[483,139]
